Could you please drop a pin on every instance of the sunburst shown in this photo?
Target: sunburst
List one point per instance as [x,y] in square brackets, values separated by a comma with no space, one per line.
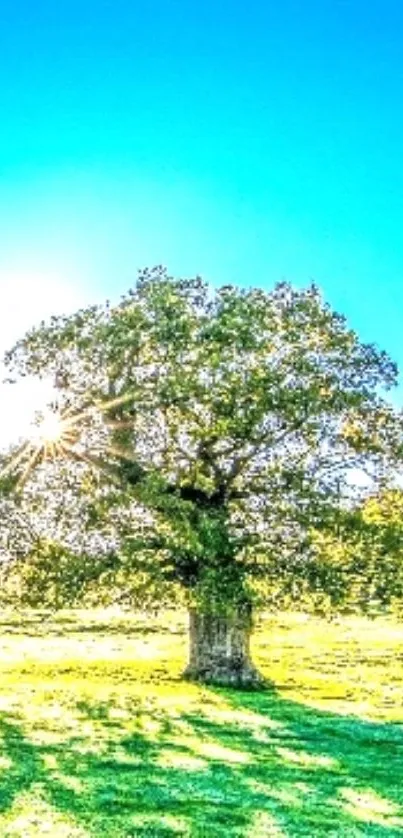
[55,433]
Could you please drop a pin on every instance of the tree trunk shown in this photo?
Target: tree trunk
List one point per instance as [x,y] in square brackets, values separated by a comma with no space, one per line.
[220,649]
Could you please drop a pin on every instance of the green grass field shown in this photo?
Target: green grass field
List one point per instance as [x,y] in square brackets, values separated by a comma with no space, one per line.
[100,737]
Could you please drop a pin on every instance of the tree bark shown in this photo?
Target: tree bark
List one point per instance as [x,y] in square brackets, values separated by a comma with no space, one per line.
[219,650]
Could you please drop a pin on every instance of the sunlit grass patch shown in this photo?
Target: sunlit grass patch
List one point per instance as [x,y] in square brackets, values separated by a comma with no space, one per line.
[264,825]
[302,758]
[352,665]
[32,816]
[368,806]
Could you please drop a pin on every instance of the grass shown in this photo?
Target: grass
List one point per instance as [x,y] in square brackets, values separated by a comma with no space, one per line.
[101,738]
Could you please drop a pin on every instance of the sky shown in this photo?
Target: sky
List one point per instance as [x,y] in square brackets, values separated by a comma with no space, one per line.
[245,142]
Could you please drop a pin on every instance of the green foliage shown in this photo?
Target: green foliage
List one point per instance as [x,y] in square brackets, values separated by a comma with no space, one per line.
[214,431]
[52,577]
[364,559]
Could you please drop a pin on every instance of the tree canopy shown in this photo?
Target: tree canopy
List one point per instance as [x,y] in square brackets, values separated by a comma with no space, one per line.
[209,434]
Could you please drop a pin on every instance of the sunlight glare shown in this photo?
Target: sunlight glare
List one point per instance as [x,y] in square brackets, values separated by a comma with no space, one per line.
[54,434]
[50,429]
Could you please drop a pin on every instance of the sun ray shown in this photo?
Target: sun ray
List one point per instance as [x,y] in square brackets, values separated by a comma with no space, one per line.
[91,461]
[69,419]
[119,424]
[31,463]
[15,461]
[120,452]
[104,406]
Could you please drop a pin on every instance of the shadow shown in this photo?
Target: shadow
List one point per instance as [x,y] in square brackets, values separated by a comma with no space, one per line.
[247,764]
[51,623]
[31,625]
[122,629]
[336,774]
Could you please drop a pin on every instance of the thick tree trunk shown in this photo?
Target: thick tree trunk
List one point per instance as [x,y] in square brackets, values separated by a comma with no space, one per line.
[220,649]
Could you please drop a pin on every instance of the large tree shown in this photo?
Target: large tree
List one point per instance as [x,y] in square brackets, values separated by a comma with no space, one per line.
[226,424]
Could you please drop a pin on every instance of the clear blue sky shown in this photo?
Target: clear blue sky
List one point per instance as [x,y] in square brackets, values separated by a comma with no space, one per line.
[247,143]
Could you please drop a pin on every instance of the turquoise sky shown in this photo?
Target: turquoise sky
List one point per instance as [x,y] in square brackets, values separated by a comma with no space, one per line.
[245,142]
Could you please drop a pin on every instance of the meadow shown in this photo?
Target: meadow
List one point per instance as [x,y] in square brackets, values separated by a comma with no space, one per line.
[101,737]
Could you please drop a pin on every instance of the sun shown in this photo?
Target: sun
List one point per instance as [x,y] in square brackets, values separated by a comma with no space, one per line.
[50,429]
[53,435]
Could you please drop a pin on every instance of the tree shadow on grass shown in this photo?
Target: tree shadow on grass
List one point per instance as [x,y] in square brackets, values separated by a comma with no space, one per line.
[323,773]
[245,765]
[122,629]
[37,624]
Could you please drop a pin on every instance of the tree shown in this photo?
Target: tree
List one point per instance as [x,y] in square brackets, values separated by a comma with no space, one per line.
[224,424]
[361,563]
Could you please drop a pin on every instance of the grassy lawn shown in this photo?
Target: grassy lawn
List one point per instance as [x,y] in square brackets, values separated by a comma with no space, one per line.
[100,737]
